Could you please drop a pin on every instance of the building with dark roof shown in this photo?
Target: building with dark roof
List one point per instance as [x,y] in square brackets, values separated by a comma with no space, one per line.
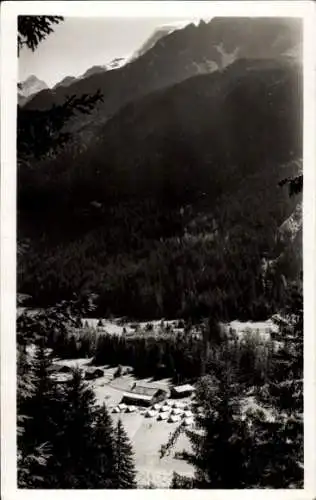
[144,396]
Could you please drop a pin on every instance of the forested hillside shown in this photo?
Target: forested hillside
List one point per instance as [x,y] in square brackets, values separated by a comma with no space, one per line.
[175,204]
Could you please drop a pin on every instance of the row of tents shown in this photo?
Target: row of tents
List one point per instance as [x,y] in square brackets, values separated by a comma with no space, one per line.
[170,413]
[164,414]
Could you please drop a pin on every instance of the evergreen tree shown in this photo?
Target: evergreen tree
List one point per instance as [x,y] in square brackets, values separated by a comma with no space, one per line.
[280,442]
[33,29]
[35,414]
[40,404]
[221,442]
[74,447]
[41,133]
[103,453]
[124,474]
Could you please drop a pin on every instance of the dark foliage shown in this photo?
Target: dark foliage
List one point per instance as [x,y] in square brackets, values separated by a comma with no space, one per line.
[64,439]
[123,468]
[67,442]
[234,448]
[295,184]
[41,133]
[34,29]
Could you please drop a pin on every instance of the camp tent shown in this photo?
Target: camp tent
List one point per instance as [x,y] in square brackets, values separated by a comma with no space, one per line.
[163,416]
[150,413]
[178,404]
[116,410]
[187,414]
[174,418]
[156,406]
[188,421]
[176,411]
[122,406]
[130,409]
[165,408]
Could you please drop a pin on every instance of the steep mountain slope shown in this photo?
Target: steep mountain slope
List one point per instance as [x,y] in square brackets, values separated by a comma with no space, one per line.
[179,55]
[116,63]
[29,87]
[158,33]
[175,202]
[223,119]
[65,82]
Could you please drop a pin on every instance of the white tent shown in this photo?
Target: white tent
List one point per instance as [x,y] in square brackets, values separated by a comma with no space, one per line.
[165,408]
[122,406]
[156,406]
[188,421]
[163,416]
[178,404]
[130,409]
[116,410]
[177,411]
[188,413]
[151,413]
[174,418]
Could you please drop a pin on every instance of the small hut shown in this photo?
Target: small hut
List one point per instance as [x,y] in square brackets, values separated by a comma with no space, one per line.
[182,391]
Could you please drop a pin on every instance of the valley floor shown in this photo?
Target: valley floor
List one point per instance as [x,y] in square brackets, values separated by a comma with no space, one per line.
[147,434]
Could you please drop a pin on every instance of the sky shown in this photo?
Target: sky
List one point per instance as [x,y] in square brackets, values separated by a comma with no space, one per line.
[79,43]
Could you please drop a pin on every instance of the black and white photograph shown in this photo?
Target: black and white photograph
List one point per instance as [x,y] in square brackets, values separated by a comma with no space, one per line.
[159,251]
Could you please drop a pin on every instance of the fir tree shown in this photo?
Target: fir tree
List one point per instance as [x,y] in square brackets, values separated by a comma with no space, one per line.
[74,448]
[35,415]
[41,133]
[220,443]
[103,452]
[34,29]
[123,467]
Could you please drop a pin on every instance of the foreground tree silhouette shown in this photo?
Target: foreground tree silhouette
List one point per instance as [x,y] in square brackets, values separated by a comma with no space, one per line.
[34,397]
[103,436]
[221,441]
[41,133]
[74,446]
[34,29]
[123,467]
